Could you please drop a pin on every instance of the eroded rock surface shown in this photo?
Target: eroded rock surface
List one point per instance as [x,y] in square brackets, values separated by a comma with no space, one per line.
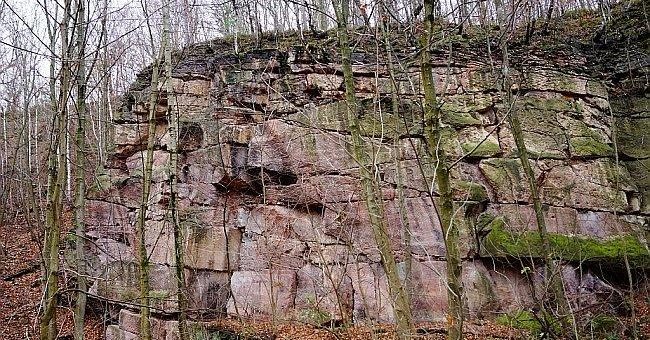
[273,218]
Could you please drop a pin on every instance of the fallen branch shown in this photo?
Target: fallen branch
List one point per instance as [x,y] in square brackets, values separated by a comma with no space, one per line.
[32,268]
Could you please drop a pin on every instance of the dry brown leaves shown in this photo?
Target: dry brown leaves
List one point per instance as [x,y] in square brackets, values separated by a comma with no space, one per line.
[290,331]
[20,298]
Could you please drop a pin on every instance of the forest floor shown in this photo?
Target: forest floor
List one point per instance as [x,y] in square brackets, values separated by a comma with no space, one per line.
[21,288]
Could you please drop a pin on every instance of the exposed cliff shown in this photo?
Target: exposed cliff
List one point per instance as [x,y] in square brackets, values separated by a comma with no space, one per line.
[270,197]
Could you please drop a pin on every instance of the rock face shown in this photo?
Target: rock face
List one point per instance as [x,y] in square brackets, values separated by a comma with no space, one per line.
[273,219]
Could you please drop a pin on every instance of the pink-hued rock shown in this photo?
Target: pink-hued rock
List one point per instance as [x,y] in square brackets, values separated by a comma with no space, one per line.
[113,332]
[325,82]
[588,184]
[565,221]
[159,167]
[271,203]
[207,290]
[279,146]
[119,282]
[371,297]
[212,248]
[263,292]
[104,218]
[130,323]
[259,252]
[323,294]
[424,229]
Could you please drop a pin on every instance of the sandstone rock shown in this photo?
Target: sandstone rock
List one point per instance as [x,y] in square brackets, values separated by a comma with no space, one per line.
[479,143]
[212,248]
[562,184]
[506,179]
[270,192]
[320,254]
[323,294]
[424,230]
[283,148]
[372,301]
[324,81]
[632,134]
[130,323]
[104,218]
[119,282]
[113,332]
[543,135]
[108,250]
[565,221]
[130,138]
[260,252]
[208,291]
[511,291]
[638,173]
[160,166]
[262,292]
[544,79]
[197,87]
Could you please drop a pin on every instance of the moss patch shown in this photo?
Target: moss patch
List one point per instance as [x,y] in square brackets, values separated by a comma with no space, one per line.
[469,191]
[633,137]
[589,147]
[500,242]
[522,320]
[459,118]
[485,149]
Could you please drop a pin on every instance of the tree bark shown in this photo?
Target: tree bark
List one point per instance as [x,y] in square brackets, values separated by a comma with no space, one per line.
[56,182]
[172,119]
[371,190]
[445,209]
[80,183]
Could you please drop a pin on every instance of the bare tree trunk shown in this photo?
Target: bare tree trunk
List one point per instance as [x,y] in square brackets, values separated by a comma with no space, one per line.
[172,119]
[103,112]
[371,190]
[445,209]
[56,182]
[80,180]
[140,227]
[556,308]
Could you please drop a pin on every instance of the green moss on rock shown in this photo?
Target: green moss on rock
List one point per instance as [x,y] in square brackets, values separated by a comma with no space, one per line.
[501,242]
[521,320]
[459,119]
[633,136]
[470,191]
[485,149]
[589,147]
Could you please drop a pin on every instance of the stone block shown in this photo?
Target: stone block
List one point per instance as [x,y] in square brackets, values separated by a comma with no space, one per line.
[371,297]
[208,291]
[159,169]
[424,229]
[281,147]
[107,219]
[323,294]
[266,251]
[212,247]
[262,293]
[327,82]
[113,332]
[549,80]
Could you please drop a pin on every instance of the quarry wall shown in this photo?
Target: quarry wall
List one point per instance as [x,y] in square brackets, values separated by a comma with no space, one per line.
[273,219]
